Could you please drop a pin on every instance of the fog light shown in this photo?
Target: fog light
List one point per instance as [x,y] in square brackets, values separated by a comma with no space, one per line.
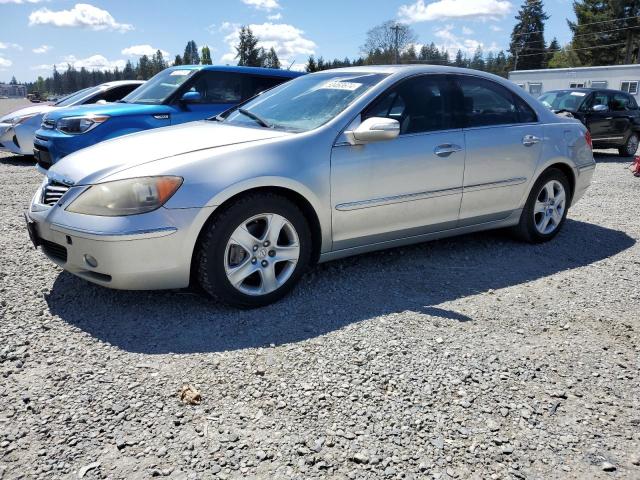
[91,261]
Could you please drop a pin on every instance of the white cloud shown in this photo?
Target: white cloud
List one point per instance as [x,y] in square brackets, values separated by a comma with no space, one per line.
[81,15]
[495,28]
[5,63]
[262,4]
[466,31]
[94,62]
[6,46]
[44,66]
[287,40]
[277,16]
[42,49]
[140,50]
[449,9]
[19,2]
[452,43]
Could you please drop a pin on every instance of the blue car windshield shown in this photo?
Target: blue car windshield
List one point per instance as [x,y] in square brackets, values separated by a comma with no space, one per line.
[305,103]
[160,87]
[75,98]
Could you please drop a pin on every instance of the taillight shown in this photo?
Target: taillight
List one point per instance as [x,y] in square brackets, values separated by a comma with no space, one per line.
[587,137]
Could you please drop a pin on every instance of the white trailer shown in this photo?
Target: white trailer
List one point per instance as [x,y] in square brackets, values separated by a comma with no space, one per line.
[616,77]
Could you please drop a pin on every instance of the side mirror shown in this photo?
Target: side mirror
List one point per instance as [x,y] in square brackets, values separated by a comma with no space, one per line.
[374,129]
[191,97]
[101,102]
[599,108]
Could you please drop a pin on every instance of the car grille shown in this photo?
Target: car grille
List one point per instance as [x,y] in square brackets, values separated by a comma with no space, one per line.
[55,251]
[43,157]
[53,192]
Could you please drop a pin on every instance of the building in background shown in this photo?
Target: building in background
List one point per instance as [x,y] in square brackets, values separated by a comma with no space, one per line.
[616,77]
[10,90]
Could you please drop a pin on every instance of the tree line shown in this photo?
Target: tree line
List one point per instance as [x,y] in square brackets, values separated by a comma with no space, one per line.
[606,32]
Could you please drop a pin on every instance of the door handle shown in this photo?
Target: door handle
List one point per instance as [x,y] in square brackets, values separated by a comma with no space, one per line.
[446,149]
[529,140]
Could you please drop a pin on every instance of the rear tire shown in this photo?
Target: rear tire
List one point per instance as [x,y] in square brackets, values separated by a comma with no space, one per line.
[546,208]
[630,147]
[254,251]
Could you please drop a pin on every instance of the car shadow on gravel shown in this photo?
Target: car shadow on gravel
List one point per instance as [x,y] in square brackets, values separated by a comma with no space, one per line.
[611,157]
[18,160]
[332,295]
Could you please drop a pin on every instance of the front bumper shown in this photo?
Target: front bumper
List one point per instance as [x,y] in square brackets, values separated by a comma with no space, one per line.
[51,146]
[141,252]
[8,139]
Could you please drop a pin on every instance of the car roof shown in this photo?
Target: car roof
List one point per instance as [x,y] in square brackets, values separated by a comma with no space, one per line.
[271,72]
[118,83]
[586,90]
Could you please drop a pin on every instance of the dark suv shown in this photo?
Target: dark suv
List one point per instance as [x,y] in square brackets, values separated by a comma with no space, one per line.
[612,116]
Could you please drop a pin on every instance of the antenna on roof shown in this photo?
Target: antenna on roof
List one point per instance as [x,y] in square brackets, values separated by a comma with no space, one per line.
[292,62]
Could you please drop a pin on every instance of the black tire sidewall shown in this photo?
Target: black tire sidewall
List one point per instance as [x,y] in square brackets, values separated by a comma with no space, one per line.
[221,230]
[624,151]
[527,222]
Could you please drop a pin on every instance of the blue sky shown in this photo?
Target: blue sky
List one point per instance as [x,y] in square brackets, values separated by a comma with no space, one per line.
[35,34]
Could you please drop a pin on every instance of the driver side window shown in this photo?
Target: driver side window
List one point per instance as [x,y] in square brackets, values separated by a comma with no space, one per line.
[219,87]
[418,104]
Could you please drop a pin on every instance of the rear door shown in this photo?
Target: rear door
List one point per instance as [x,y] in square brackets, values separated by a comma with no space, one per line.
[599,123]
[624,112]
[503,145]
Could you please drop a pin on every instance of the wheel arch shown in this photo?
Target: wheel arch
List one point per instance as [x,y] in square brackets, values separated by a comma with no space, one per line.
[566,169]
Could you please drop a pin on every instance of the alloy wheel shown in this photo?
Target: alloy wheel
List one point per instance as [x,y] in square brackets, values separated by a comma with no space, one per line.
[632,145]
[261,254]
[549,207]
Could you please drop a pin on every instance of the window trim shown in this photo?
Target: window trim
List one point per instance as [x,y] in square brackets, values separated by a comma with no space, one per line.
[536,84]
[630,82]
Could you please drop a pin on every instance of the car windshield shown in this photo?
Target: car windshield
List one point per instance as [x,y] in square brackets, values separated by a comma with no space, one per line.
[160,87]
[74,98]
[306,102]
[563,100]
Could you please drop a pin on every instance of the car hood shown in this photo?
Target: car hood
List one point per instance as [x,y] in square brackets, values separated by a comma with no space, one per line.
[95,163]
[111,109]
[35,109]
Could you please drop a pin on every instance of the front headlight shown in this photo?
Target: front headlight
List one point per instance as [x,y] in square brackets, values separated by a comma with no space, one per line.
[126,197]
[79,125]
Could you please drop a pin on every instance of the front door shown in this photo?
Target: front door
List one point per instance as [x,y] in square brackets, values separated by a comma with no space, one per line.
[403,187]
[503,140]
[599,123]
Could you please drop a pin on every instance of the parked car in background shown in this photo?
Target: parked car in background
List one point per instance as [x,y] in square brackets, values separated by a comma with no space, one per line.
[328,165]
[612,116]
[175,95]
[18,128]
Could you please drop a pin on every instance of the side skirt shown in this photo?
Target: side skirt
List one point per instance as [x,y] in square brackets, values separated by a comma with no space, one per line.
[510,221]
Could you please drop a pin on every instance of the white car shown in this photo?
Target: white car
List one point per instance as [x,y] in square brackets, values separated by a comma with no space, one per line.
[18,128]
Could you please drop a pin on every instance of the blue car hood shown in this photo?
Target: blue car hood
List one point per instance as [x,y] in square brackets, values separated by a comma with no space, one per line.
[111,109]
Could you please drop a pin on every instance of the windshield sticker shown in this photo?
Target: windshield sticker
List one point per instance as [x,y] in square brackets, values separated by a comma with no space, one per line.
[180,72]
[337,85]
[578,94]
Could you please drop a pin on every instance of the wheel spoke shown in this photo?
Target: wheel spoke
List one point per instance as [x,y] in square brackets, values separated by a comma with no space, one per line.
[538,207]
[550,193]
[544,223]
[239,274]
[557,217]
[560,198]
[276,223]
[287,254]
[269,280]
[243,238]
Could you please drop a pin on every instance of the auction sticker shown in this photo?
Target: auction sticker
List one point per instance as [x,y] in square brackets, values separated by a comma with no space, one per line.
[578,94]
[337,85]
[180,72]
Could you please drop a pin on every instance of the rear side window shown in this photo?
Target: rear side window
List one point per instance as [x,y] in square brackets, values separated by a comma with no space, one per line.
[486,103]
[117,93]
[419,104]
[525,113]
[621,102]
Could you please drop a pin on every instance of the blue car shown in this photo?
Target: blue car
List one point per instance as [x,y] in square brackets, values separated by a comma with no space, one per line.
[176,95]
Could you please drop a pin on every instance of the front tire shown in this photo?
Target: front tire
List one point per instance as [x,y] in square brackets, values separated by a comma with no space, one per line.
[630,147]
[546,209]
[254,251]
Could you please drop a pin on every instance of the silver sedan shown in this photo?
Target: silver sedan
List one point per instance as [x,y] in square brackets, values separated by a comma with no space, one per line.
[325,166]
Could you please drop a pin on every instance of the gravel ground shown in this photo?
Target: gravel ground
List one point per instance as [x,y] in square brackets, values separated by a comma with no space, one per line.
[474,357]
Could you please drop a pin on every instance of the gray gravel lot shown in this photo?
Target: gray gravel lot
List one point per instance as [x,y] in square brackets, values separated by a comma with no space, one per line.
[473,357]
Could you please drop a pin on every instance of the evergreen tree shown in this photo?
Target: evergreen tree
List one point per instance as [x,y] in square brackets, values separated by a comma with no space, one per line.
[477,62]
[527,39]
[145,69]
[312,66]
[409,55]
[191,55]
[605,32]
[178,60]
[566,57]
[271,59]
[128,73]
[554,47]
[502,64]
[459,61]
[247,51]
[206,56]
[157,63]
[13,81]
